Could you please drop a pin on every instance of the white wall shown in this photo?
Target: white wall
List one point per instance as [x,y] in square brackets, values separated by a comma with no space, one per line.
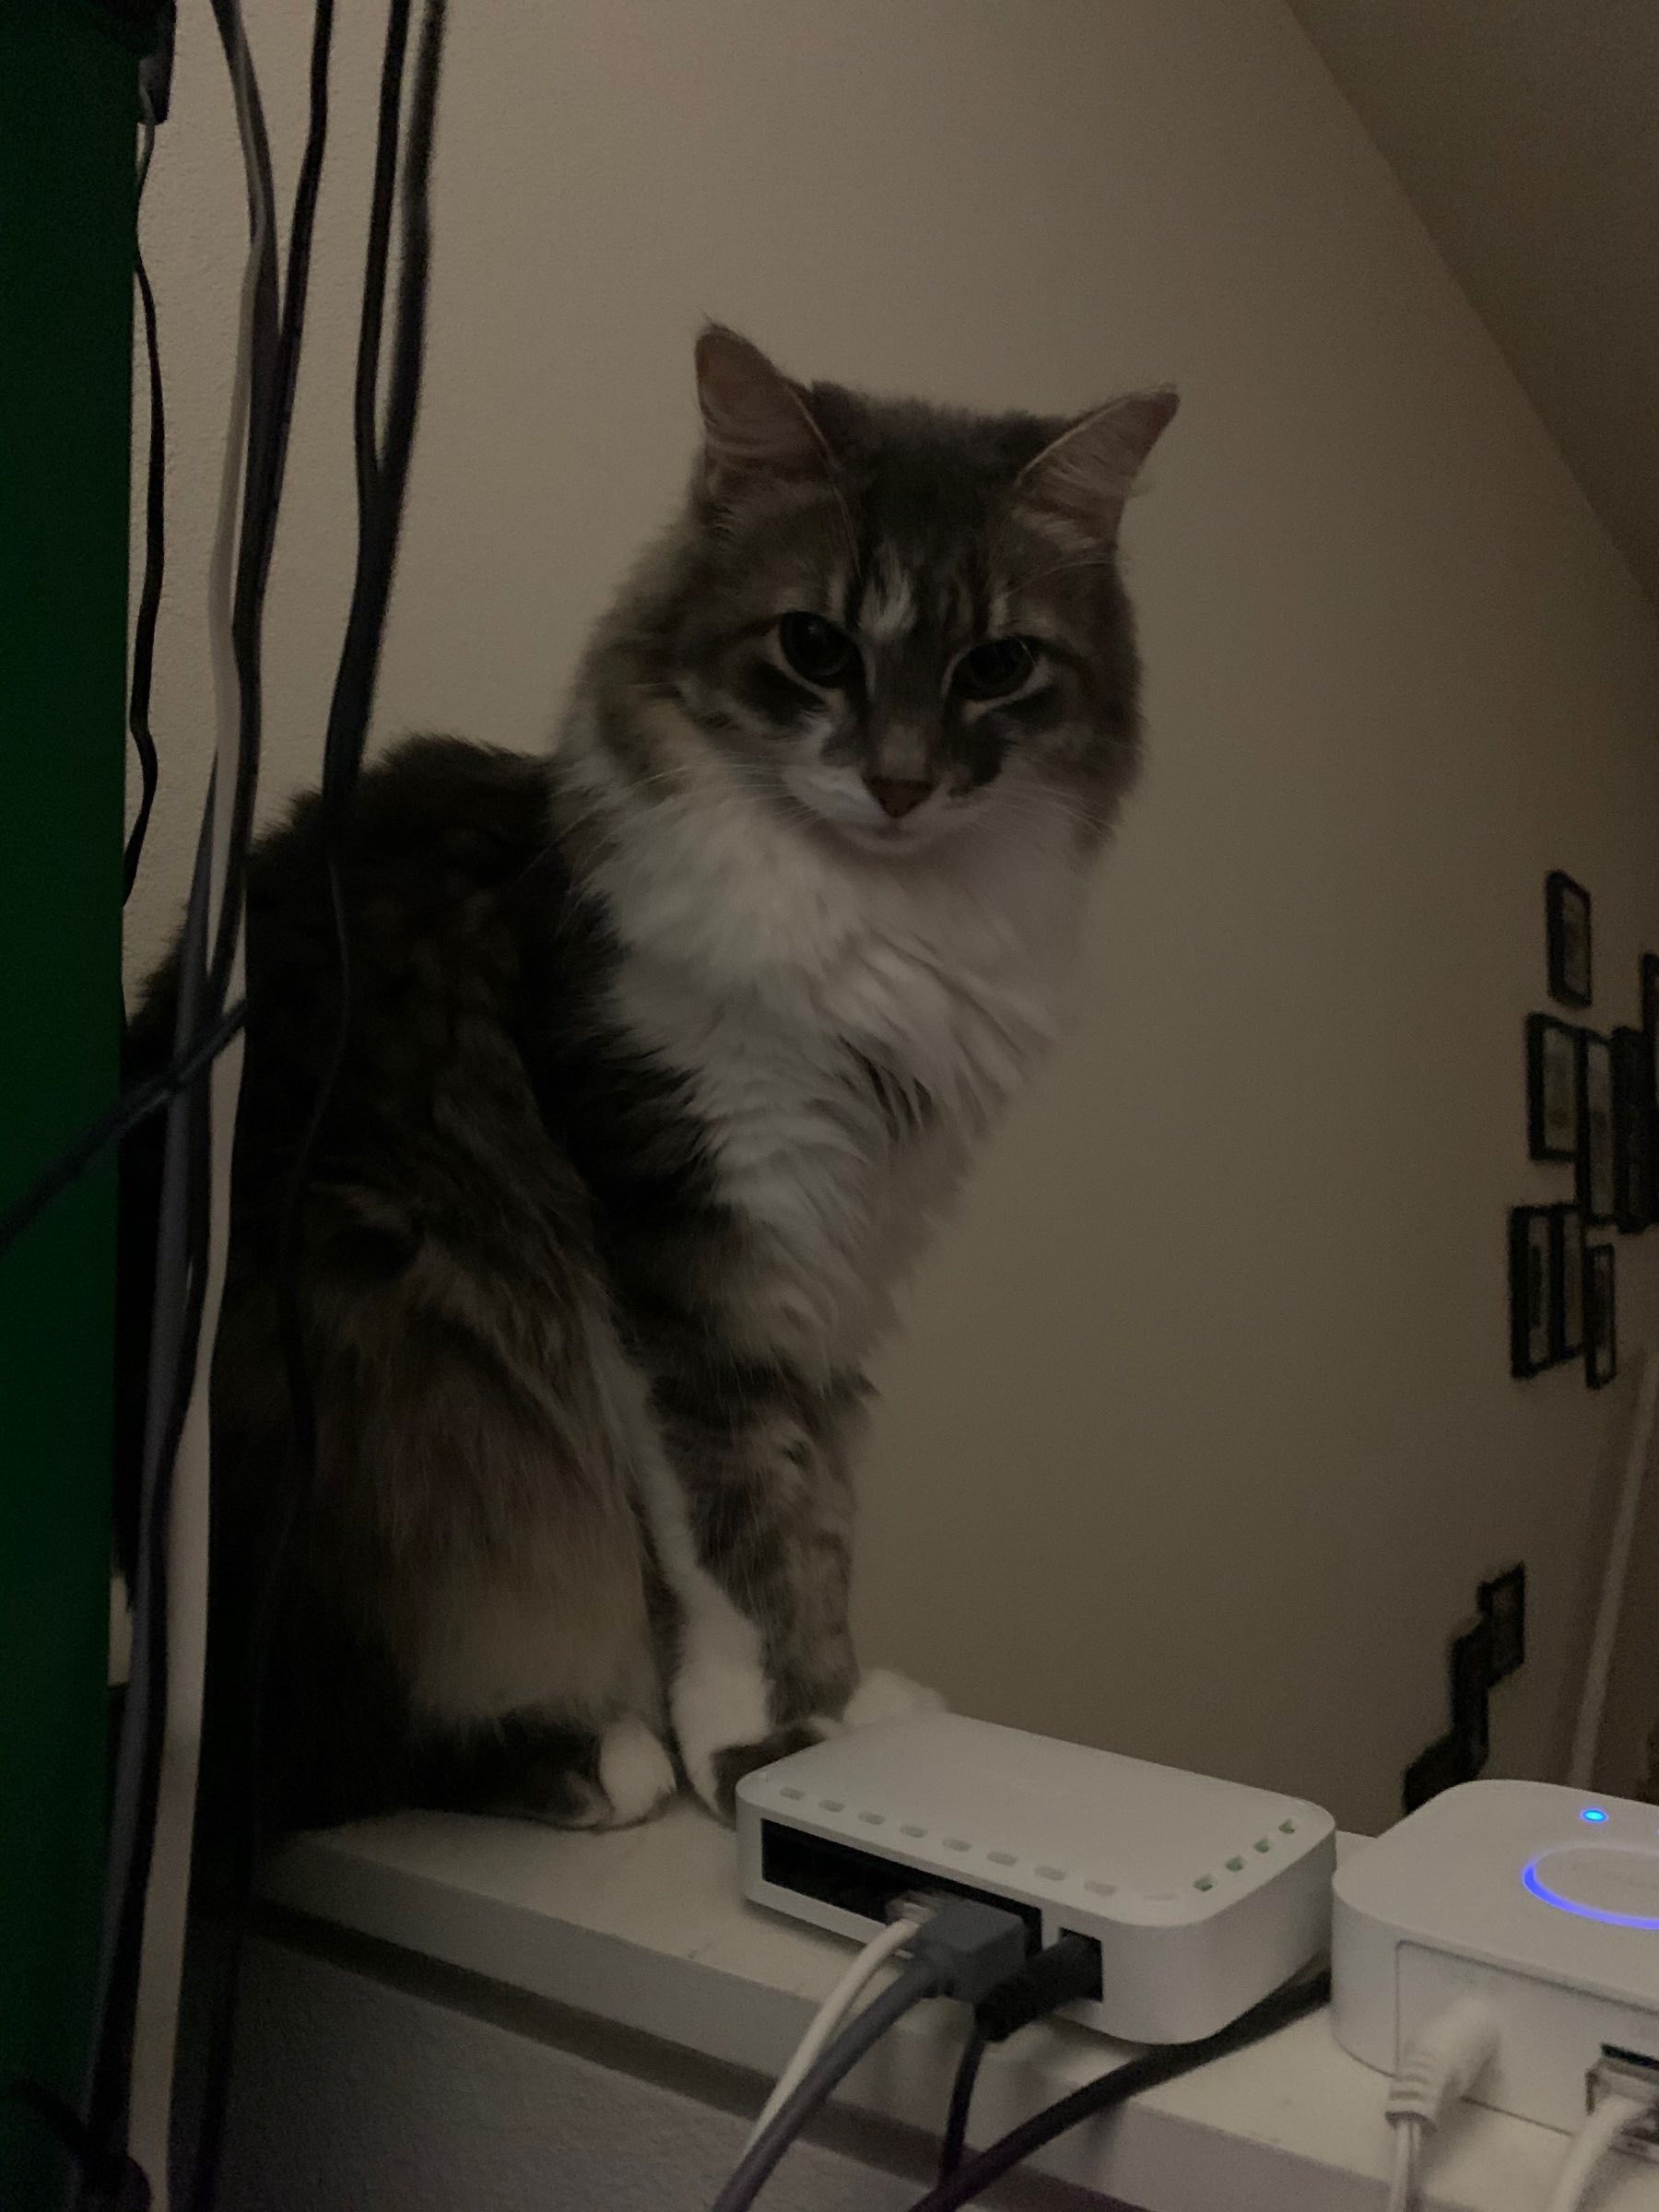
[1201,1432]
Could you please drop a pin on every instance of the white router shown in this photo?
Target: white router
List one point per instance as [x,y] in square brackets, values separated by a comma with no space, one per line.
[1542,1900]
[1202,1896]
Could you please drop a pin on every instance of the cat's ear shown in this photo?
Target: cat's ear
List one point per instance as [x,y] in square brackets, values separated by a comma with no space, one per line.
[755,421]
[1079,481]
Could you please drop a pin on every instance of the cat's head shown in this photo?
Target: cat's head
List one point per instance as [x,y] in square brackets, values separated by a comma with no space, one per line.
[888,619]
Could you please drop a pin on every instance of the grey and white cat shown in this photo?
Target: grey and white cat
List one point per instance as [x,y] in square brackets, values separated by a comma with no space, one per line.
[663,1059]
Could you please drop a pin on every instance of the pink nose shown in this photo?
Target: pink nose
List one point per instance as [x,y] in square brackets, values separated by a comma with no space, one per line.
[898,795]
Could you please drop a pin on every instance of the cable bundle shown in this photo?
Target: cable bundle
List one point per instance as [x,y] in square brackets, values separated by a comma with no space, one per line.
[957,1948]
[120,2143]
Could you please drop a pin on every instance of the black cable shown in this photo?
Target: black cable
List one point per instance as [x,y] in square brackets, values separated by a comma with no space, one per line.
[1066,1972]
[1146,2072]
[179,1270]
[272,373]
[370,587]
[365,396]
[954,2142]
[380,491]
[134,1107]
[382,485]
[150,595]
[274,369]
[921,1978]
[201,1026]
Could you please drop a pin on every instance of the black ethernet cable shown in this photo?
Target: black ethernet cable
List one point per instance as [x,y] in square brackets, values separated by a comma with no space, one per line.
[965,1950]
[1066,1972]
[1111,2089]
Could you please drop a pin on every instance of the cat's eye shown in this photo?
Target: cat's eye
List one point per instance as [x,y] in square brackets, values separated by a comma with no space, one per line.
[816,649]
[993,669]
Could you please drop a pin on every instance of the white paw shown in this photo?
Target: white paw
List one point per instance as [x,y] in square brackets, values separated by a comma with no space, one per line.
[635,1772]
[718,1701]
[885,1696]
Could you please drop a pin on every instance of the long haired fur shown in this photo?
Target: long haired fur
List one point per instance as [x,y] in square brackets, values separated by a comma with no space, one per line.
[664,1058]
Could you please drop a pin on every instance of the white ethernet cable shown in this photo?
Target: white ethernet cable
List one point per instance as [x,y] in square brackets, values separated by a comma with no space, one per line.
[1616,2115]
[912,1914]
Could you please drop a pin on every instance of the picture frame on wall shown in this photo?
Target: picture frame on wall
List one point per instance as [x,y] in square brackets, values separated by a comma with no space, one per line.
[1632,1131]
[1567,931]
[1532,1326]
[1601,1316]
[1597,1179]
[1566,1282]
[1552,1087]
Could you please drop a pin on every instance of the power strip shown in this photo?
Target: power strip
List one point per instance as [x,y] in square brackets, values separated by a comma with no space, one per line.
[1541,1900]
[1202,1896]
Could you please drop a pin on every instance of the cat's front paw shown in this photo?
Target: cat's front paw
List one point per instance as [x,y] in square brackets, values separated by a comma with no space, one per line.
[710,1711]
[721,1709]
[729,1766]
[636,1774]
[882,1695]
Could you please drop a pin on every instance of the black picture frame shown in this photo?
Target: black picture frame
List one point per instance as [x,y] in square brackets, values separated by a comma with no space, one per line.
[1601,1315]
[1552,1112]
[1502,1603]
[1632,1131]
[1597,1179]
[1531,1328]
[1566,1282]
[1568,932]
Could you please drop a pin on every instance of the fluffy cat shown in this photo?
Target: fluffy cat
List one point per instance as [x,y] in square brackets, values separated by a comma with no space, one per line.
[664,1058]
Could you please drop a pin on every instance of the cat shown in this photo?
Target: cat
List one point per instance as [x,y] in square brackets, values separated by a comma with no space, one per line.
[664,1058]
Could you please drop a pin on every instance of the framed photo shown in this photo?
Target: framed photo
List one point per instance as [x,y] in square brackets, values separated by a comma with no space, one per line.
[1552,1087]
[1597,1181]
[1566,919]
[1632,1131]
[1566,1282]
[1601,1316]
[1532,1330]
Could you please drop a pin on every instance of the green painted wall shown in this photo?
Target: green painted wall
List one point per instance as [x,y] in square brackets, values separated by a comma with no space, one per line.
[67,112]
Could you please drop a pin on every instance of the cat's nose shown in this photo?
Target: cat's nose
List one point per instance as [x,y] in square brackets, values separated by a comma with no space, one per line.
[898,795]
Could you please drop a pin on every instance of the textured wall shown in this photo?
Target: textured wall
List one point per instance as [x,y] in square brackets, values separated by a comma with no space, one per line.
[1202,1432]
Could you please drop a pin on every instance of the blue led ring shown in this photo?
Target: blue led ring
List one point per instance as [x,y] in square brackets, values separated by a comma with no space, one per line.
[1534,1881]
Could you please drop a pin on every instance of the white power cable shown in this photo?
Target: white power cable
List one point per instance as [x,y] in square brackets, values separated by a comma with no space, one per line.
[836,2007]
[1442,2062]
[161,1957]
[1409,2142]
[1614,2117]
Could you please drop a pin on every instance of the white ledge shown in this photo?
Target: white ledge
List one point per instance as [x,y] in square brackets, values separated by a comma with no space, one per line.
[646,1929]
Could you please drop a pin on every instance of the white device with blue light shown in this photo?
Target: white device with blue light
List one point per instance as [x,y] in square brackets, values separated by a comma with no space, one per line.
[1539,1899]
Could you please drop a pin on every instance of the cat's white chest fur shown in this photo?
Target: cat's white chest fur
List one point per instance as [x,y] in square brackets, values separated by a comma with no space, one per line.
[846,1028]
